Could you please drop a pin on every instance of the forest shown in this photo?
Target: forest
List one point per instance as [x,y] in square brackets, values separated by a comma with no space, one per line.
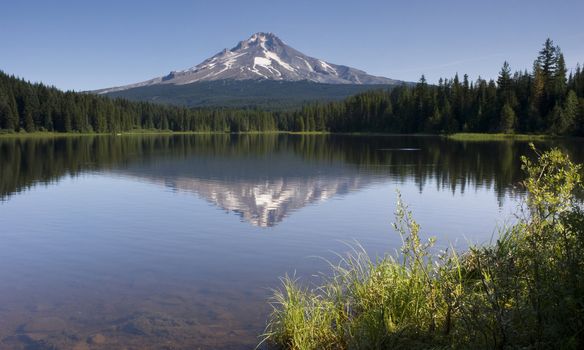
[547,100]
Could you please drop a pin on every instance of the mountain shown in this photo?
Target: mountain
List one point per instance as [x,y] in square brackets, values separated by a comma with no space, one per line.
[263,56]
[241,76]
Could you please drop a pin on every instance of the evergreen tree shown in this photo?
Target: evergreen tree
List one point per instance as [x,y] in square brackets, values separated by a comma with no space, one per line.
[560,77]
[535,99]
[579,120]
[8,115]
[547,60]
[29,108]
[504,79]
[557,122]
[507,120]
[563,118]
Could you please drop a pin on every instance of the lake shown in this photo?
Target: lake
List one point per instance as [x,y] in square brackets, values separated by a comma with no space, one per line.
[174,242]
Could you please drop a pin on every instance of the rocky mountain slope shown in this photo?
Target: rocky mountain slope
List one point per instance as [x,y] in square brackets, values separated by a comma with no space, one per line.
[263,56]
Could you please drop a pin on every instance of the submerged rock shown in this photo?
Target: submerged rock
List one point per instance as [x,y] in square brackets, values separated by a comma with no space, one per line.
[159,325]
[45,325]
[81,346]
[96,339]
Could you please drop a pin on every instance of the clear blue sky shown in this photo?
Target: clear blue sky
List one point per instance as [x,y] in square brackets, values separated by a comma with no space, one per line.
[85,45]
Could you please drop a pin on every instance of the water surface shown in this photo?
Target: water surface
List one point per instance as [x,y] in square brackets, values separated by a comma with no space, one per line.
[173,242]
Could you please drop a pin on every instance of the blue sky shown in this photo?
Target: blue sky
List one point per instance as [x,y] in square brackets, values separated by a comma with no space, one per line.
[85,45]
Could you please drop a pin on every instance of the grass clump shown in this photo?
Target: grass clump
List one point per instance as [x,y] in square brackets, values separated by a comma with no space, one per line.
[462,136]
[524,291]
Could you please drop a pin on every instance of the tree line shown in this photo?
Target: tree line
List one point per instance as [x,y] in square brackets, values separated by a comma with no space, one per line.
[545,100]
[35,107]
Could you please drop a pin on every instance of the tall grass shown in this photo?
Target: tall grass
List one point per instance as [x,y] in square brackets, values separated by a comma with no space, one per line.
[495,137]
[524,291]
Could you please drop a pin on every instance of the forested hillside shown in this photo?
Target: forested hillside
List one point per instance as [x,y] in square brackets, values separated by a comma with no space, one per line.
[546,100]
[270,95]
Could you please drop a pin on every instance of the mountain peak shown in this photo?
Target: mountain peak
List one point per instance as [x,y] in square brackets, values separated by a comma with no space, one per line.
[263,56]
[267,41]
[262,36]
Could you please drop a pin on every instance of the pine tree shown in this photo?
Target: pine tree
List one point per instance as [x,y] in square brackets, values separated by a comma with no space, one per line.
[579,120]
[560,77]
[8,114]
[563,118]
[29,109]
[434,122]
[28,120]
[4,112]
[300,124]
[504,79]
[507,119]
[547,60]
[556,121]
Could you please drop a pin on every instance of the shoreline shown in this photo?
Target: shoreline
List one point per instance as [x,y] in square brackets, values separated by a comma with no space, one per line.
[477,137]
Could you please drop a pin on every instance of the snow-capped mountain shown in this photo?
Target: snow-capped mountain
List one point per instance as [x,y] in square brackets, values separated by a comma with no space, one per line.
[263,57]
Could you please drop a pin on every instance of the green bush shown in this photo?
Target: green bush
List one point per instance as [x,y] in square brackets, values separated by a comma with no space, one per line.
[524,291]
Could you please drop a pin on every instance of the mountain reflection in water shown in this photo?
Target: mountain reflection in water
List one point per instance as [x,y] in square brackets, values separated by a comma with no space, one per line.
[264,178]
[261,197]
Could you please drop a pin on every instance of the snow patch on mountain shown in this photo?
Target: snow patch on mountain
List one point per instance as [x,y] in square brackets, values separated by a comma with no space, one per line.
[275,57]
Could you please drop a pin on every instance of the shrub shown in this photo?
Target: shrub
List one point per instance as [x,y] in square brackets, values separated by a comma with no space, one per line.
[524,291]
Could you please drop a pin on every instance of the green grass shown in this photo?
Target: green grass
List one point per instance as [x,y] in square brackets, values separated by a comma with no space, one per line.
[457,137]
[496,137]
[308,132]
[524,291]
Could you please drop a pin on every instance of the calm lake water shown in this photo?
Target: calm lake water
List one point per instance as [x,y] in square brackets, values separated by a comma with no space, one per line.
[173,242]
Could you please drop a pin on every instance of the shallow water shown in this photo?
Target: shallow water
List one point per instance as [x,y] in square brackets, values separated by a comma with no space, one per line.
[173,242]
